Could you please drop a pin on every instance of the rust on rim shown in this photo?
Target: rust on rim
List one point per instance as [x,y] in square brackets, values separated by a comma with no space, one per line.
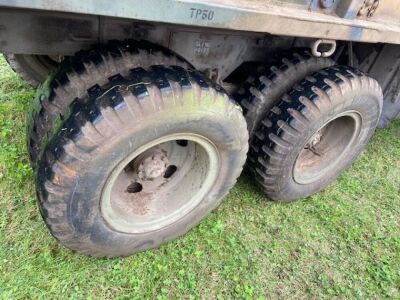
[159,183]
[326,147]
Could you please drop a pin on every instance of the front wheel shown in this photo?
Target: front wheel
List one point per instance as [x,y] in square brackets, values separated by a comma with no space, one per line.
[140,161]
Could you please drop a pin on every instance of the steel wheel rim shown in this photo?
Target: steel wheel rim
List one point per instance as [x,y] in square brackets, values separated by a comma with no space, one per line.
[333,141]
[159,202]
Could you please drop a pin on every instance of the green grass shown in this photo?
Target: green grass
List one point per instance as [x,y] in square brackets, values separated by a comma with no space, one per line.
[343,242]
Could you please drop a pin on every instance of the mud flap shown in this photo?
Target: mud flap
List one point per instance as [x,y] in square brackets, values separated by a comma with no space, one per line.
[383,64]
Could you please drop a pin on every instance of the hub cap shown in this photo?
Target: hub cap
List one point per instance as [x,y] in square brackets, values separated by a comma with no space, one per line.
[159,183]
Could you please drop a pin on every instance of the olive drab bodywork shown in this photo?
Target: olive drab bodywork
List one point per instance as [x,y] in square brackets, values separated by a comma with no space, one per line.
[356,20]
[216,37]
[147,111]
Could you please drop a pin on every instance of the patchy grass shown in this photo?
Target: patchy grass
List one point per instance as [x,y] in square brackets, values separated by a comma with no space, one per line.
[343,242]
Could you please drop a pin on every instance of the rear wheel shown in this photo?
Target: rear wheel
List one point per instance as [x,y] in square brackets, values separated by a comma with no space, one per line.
[275,78]
[34,69]
[315,132]
[139,161]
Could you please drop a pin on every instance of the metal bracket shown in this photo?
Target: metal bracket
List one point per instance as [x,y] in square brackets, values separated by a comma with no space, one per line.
[315,45]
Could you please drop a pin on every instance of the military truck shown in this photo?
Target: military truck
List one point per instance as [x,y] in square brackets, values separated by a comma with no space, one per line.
[147,111]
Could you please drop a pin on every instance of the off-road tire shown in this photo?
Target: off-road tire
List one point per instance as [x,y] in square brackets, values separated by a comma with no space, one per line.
[263,90]
[286,128]
[77,74]
[114,119]
[34,69]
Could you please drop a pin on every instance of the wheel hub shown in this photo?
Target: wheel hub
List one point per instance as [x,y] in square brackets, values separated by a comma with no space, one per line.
[159,183]
[153,166]
[316,138]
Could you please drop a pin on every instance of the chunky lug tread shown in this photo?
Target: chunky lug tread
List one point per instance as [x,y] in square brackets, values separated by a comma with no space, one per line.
[80,74]
[125,101]
[262,91]
[280,130]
